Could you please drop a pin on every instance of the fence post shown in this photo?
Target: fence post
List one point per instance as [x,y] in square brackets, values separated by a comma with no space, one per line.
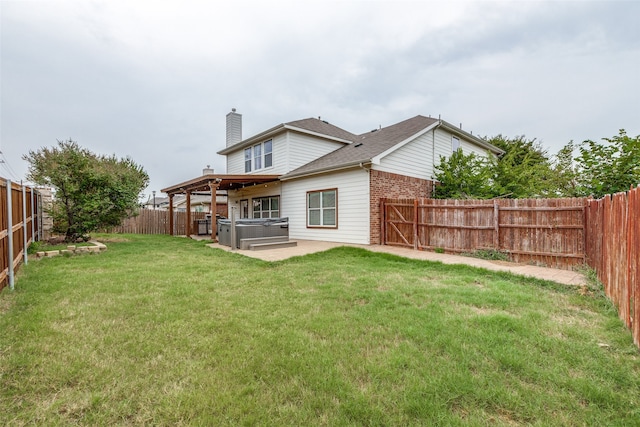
[171,215]
[33,216]
[383,218]
[10,232]
[40,216]
[24,225]
[415,224]
[496,225]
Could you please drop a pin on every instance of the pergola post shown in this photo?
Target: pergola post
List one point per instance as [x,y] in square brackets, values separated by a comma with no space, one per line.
[213,186]
[188,224]
[171,231]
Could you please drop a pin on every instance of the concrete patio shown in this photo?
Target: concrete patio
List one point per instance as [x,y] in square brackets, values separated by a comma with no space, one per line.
[305,247]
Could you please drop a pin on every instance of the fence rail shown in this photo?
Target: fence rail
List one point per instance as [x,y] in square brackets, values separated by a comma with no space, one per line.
[20,225]
[613,250]
[548,232]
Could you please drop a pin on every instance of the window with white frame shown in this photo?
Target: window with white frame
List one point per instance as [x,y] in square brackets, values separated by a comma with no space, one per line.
[268,153]
[259,156]
[266,207]
[322,208]
[455,143]
[247,159]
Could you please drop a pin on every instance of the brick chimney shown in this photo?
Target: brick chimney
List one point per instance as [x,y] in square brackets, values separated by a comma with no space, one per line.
[234,127]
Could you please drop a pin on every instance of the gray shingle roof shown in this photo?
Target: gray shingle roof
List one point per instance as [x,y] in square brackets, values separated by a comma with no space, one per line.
[366,146]
[311,125]
[322,127]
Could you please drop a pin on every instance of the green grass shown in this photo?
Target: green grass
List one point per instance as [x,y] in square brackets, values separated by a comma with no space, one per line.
[164,331]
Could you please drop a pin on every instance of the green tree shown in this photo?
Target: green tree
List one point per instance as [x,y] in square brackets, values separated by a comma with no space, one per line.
[524,170]
[609,168]
[463,176]
[91,191]
[564,172]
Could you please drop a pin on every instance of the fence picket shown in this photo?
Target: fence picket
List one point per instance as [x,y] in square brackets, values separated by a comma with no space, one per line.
[542,231]
[149,221]
[18,227]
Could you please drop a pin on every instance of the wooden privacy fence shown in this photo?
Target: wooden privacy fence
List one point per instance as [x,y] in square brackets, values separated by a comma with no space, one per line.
[613,250]
[150,221]
[548,232]
[20,225]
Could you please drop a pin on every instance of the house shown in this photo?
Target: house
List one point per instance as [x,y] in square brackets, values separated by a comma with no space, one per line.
[329,181]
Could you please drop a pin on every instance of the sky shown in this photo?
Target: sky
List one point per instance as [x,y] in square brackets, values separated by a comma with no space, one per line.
[154,80]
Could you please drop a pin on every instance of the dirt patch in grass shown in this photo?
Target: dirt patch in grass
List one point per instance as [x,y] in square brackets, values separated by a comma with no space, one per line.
[114,239]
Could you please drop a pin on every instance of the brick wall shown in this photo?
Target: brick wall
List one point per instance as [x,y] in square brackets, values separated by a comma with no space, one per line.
[391,185]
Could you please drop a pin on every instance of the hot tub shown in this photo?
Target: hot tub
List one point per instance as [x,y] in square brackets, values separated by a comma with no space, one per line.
[251,229]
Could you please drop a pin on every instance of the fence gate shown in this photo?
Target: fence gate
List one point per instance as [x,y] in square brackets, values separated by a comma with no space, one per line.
[399,223]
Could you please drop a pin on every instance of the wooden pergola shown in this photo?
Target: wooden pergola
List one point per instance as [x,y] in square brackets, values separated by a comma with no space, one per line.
[211,183]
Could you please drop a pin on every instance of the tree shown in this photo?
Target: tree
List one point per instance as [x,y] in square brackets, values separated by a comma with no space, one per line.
[91,191]
[609,168]
[462,177]
[524,170]
[564,172]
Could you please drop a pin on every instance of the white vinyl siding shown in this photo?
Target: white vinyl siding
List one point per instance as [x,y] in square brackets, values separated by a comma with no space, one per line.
[419,157]
[442,146]
[235,163]
[468,148]
[413,159]
[353,206]
[303,149]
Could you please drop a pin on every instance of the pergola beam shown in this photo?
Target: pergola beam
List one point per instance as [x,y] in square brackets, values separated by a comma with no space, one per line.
[213,187]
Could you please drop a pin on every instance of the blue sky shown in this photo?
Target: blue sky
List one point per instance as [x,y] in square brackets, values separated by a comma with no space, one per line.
[154,80]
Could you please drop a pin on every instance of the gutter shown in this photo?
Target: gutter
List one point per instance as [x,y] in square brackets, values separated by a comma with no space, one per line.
[357,163]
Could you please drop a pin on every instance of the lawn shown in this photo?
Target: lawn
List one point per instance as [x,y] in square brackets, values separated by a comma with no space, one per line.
[160,330]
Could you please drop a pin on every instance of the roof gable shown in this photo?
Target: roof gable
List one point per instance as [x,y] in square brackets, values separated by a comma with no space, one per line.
[367,146]
[370,147]
[310,126]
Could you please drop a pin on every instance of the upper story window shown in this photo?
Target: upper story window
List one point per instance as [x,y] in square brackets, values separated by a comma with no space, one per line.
[455,143]
[259,156]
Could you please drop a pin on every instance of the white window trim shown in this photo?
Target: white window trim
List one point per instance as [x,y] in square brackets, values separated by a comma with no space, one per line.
[455,144]
[322,209]
[270,210]
[251,162]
